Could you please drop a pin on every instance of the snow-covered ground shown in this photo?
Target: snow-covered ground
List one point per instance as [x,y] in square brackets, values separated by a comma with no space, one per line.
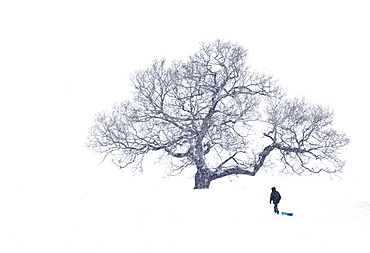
[110,212]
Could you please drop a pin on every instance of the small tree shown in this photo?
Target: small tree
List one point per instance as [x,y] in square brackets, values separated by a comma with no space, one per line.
[214,113]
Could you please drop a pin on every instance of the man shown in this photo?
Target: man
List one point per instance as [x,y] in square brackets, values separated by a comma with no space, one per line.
[275,198]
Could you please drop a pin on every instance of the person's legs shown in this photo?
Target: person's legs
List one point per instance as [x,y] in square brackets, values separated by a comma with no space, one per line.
[276,210]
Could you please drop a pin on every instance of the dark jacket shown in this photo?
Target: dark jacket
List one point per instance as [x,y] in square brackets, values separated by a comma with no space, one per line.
[275,196]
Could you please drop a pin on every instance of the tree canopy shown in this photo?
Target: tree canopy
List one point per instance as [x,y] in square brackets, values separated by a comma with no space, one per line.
[214,113]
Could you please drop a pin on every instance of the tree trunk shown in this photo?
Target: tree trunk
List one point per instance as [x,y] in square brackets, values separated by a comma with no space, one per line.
[202,179]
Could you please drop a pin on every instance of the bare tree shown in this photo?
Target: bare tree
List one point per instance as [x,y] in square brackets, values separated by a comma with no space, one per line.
[303,134]
[214,113]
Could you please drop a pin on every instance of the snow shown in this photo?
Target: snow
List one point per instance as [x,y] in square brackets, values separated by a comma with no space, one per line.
[109,211]
[63,63]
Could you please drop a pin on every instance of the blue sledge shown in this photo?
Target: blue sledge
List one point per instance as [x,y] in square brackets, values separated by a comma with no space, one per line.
[284,213]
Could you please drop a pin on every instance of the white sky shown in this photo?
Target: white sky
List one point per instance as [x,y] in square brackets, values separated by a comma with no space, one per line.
[61,62]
